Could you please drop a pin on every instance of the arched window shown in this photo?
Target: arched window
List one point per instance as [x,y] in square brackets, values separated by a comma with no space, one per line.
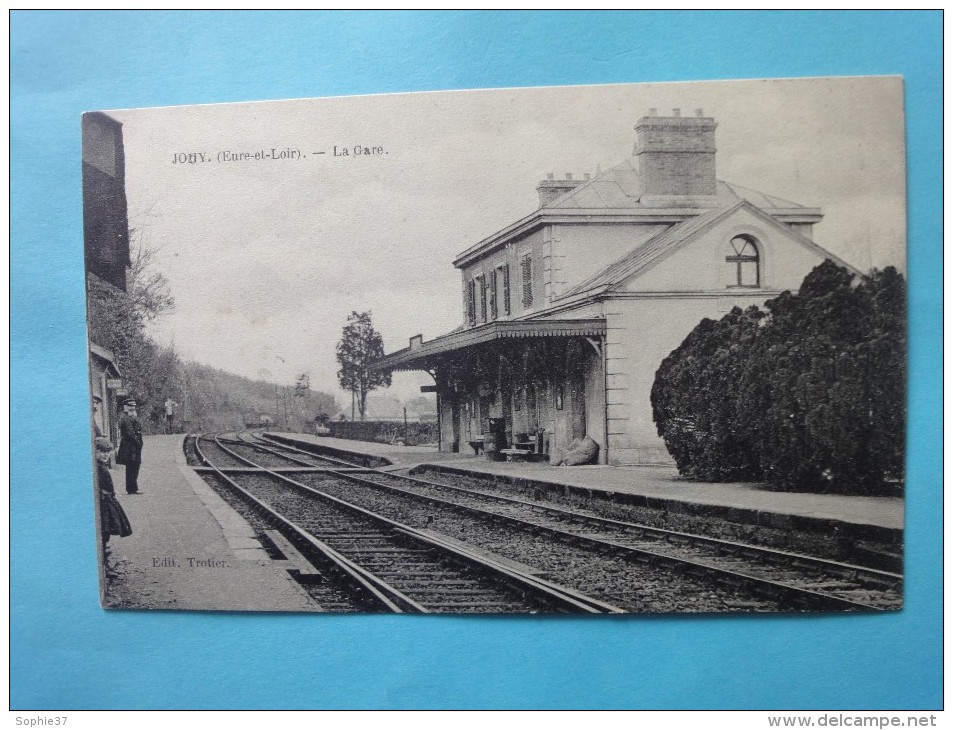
[744,263]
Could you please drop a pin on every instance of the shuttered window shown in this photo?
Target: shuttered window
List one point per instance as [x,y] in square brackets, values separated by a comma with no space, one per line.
[494,311]
[471,303]
[526,271]
[505,269]
[481,286]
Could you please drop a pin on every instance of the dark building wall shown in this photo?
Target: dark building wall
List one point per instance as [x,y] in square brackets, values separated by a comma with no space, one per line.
[105,218]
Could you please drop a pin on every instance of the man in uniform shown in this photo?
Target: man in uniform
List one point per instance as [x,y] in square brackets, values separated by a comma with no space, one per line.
[130,445]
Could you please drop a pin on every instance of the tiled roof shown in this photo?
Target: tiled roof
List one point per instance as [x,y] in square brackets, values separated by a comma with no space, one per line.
[755,197]
[619,187]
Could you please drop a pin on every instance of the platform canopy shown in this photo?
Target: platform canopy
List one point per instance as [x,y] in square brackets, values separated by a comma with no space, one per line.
[422,355]
[107,357]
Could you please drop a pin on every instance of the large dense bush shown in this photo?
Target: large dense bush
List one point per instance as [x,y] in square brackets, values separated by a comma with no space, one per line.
[808,395]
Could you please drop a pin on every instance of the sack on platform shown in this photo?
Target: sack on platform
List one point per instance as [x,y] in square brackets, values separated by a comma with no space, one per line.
[582,452]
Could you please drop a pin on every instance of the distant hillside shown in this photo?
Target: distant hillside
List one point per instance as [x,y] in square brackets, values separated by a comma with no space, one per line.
[213,399]
[390,408]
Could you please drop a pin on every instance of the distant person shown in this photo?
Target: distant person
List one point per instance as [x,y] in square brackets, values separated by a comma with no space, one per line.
[130,445]
[169,413]
[97,404]
[112,517]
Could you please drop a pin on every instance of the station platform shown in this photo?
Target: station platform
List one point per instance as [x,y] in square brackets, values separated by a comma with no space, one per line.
[400,457]
[189,549]
[879,518]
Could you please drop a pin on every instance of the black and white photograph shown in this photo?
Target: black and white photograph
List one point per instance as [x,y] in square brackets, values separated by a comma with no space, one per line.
[616,349]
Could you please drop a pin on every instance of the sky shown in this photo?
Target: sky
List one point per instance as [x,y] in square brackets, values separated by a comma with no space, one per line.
[267,258]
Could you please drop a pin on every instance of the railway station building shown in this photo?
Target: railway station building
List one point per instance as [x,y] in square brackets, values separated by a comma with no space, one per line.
[569,311]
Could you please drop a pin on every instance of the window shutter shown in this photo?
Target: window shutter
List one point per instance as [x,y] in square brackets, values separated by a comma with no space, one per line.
[481,285]
[471,302]
[506,288]
[494,313]
[526,269]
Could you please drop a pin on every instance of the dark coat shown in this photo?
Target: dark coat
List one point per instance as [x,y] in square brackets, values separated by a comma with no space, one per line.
[130,440]
[112,517]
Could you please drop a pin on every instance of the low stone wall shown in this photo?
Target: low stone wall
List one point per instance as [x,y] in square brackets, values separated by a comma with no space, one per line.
[385,432]
[368,460]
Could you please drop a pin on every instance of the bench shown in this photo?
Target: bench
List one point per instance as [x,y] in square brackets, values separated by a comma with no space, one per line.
[516,454]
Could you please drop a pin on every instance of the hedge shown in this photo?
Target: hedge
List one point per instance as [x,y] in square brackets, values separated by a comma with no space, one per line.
[807,395]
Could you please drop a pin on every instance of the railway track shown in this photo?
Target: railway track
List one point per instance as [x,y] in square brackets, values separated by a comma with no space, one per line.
[827,584]
[793,581]
[849,587]
[274,455]
[383,564]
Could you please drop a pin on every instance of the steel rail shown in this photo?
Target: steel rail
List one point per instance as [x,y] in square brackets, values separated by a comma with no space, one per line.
[777,558]
[885,578]
[796,594]
[849,570]
[272,442]
[383,596]
[273,449]
[261,447]
[600,606]
[558,596]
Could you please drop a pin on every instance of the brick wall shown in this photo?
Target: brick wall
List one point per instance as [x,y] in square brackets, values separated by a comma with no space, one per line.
[676,155]
[678,173]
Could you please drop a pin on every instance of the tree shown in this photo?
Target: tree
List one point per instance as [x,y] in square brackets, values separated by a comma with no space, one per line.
[117,320]
[360,346]
[808,396]
[147,287]
[694,399]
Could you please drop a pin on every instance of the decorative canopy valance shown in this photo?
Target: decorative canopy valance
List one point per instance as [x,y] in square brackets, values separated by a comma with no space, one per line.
[422,355]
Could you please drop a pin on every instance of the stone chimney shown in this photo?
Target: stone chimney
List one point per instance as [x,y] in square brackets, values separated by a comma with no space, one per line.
[550,189]
[676,157]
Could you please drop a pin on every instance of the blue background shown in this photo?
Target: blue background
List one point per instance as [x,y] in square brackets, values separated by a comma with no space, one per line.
[68,653]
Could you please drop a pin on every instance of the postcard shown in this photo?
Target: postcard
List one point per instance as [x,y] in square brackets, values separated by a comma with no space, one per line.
[634,348]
